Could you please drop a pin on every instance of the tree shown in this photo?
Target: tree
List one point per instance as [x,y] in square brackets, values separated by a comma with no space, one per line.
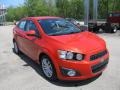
[102,8]
[64,8]
[70,8]
[40,8]
[15,13]
[77,9]
[35,8]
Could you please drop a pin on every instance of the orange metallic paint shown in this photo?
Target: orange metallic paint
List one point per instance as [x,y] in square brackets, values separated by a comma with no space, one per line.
[84,42]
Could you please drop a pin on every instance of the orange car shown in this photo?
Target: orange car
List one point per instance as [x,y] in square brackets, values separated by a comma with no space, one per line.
[63,51]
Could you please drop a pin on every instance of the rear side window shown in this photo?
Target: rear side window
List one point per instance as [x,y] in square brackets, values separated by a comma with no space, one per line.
[116,15]
[22,24]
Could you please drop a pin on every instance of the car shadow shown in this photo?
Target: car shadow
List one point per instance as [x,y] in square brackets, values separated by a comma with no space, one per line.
[36,67]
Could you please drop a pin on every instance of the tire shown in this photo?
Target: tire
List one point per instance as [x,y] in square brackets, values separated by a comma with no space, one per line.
[100,30]
[48,68]
[114,30]
[16,49]
[107,28]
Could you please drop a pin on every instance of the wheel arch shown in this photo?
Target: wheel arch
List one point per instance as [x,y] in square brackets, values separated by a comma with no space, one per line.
[54,62]
[42,54]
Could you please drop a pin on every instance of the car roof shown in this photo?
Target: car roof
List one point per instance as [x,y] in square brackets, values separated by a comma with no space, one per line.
[41,17]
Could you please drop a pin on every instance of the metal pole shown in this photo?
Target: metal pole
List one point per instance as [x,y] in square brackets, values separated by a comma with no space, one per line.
[1,14]
[86,12]
[107,9]
[4,15]
[95,9]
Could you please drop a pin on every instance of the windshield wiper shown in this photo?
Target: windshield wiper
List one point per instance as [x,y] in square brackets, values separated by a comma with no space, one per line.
[63,33]
[73,32]
[56,34]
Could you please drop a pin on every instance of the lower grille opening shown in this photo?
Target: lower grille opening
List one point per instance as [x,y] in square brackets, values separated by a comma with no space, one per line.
[100,66]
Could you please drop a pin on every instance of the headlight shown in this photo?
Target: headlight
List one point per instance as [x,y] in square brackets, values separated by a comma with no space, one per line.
[62,54]
[70,55]
[79,56]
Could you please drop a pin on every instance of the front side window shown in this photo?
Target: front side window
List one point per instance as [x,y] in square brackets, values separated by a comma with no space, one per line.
[31,26]
[114,15]
[58,26]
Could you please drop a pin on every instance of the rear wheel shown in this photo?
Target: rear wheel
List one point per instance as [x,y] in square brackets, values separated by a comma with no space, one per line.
[47,68]
[16,49]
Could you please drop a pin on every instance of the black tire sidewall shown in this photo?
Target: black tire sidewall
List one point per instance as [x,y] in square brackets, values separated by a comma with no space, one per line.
[113,29]
[17,48]
[54,76]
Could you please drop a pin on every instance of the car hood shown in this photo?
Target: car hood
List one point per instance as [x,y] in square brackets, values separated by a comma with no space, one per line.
[80,42]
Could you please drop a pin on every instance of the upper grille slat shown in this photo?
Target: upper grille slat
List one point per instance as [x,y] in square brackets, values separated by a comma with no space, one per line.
[98,55]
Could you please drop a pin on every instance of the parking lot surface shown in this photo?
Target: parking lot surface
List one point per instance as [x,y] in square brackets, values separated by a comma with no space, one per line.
[21,73]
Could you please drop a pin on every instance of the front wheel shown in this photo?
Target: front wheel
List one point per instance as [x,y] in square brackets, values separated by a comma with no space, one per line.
[47,68]
[114,30]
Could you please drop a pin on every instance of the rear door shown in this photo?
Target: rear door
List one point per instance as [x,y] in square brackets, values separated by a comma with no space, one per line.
[20,35]
[30,42]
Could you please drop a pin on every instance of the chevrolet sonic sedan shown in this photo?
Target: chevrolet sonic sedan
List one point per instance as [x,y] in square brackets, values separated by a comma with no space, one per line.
[61,49]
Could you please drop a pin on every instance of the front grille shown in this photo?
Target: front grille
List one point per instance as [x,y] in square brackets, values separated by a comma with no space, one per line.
[100,66]
[98,55]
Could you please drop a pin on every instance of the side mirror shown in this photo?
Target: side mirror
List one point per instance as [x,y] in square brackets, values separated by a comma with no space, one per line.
[30,33]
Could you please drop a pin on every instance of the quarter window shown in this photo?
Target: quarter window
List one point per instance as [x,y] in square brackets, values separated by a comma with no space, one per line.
[21,25]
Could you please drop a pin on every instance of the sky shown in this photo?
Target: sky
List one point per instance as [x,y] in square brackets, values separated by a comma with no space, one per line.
[13,3]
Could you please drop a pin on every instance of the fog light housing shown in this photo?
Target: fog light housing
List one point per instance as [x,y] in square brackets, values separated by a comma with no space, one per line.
[69,72]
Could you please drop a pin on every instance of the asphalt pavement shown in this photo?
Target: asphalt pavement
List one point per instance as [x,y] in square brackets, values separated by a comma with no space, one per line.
[21,73]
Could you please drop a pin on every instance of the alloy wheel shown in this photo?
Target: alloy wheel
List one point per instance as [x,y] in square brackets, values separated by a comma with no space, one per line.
[47,67]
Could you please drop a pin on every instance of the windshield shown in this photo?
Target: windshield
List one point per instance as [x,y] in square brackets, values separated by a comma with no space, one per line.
[58,27]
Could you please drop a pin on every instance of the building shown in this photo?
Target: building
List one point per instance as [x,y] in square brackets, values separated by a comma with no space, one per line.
[2,14]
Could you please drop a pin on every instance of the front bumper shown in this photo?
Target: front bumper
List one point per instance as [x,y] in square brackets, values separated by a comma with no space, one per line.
[85,69]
